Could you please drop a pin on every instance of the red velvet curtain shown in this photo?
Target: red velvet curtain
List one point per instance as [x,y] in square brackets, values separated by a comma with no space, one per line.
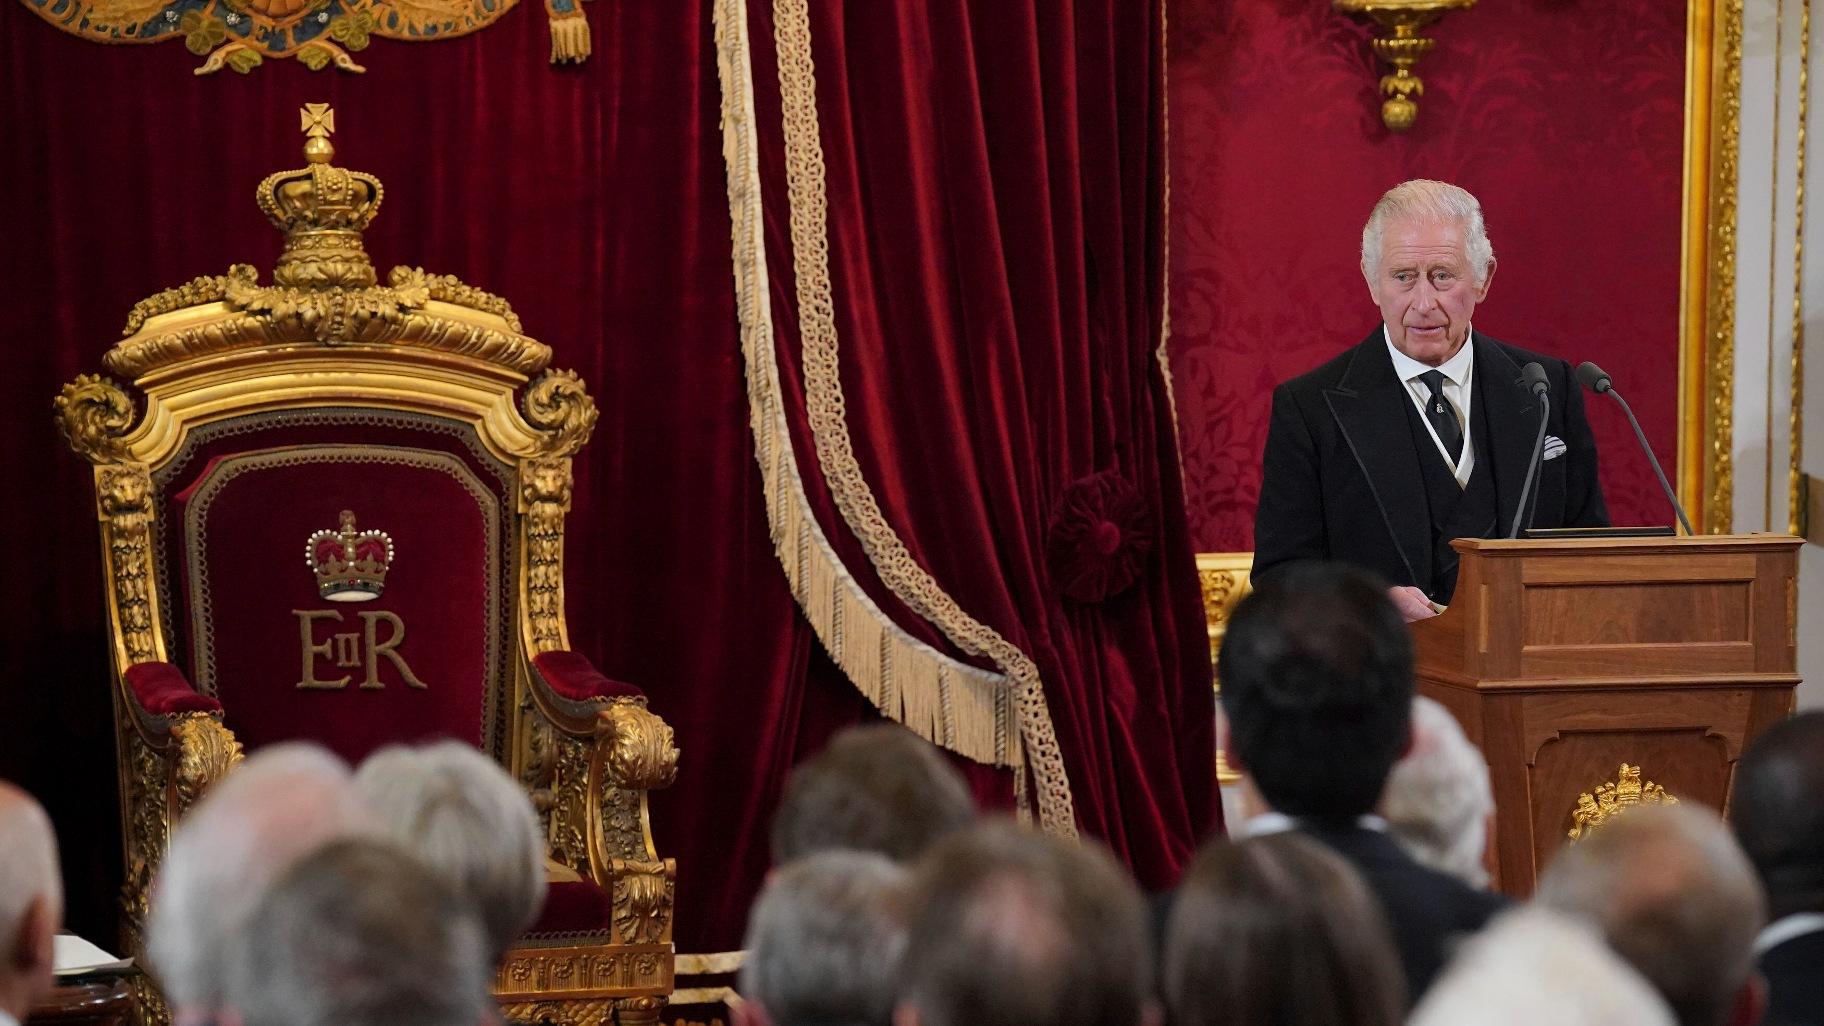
[1006,358]
[995,188]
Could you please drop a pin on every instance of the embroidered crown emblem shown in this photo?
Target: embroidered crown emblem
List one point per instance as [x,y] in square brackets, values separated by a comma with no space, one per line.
[350,565]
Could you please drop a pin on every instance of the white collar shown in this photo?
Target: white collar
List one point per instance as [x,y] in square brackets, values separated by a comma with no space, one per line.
[7,1020]
[1456,369]
[1278,823]
[1786,928]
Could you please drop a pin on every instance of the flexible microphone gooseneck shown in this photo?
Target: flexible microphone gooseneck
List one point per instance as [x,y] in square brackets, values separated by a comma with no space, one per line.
[1596,380]
[1533,377]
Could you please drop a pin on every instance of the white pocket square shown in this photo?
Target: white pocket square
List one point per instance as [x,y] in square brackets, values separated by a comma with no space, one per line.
[1554,447]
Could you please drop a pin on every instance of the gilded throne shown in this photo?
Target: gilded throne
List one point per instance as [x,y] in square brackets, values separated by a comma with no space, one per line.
[412,443]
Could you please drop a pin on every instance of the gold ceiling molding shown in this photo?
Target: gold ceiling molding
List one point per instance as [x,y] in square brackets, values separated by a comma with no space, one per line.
[1402,49]
[243,34]
[960,707]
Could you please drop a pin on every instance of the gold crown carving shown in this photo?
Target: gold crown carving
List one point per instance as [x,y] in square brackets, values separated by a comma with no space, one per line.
[1613,798]
[350,565]
[322,209]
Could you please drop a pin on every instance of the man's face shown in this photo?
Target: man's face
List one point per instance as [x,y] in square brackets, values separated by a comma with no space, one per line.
[1426,288]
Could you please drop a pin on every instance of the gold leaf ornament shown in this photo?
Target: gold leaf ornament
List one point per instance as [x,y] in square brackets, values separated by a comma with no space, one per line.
[202,33]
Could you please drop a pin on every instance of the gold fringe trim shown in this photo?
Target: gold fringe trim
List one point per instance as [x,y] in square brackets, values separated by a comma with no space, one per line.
[960,707]
[1165,254]
[569,36]
[824,401]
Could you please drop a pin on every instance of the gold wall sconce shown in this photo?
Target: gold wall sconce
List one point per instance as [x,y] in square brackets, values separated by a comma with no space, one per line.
[1402,49]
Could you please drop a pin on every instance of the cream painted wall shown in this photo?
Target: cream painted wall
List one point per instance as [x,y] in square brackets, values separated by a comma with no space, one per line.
[1779,295]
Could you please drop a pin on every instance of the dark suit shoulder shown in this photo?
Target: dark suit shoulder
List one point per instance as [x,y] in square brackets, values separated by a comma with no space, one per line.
[1795,981]
[1428,911]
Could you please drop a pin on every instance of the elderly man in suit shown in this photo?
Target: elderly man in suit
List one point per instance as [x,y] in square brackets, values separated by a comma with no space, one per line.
[1421,433]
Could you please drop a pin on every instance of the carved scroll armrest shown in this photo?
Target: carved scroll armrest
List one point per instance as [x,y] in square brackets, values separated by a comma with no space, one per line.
[631,753]
[595,751]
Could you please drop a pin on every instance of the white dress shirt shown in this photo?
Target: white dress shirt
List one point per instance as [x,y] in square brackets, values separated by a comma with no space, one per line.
[1456,371]
[1782,930]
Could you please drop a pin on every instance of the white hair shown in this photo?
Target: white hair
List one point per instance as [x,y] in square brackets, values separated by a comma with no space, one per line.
[463,816]
[825,939]
[1422,199]
[1437,799]
[1535,966]
[359,934]
[28,864]
[1672,892]
[278,805]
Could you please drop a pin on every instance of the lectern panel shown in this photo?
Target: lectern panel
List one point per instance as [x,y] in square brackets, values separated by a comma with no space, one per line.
[1620,614]
[1689,765]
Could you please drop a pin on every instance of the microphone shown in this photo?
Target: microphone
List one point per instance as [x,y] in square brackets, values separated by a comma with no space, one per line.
[1596,380]
[1532,376]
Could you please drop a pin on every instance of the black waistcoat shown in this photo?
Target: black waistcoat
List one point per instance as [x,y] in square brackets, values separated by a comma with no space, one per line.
[1468,511]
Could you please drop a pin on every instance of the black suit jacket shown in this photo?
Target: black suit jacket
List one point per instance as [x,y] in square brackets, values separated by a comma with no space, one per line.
[1795,981]
[1428,911]
[1341,478]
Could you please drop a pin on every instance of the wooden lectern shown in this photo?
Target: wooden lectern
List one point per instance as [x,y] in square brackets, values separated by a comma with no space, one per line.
[1598,673]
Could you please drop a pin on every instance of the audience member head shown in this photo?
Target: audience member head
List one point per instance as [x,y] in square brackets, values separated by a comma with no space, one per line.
[1778,813]
[463,816]
[1278,929]
[1437,800]
[877,787]
[1534,966]
[31,900]
[1316,670]
[360,933]
[278,804]
[824,942]
[1674,895]
[1011,927]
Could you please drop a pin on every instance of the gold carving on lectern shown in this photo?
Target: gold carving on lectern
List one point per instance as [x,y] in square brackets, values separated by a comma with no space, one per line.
[1614,798]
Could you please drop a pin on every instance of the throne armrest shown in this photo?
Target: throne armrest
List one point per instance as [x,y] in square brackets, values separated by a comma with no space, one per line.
[572,676]
[160,689]
[608,751]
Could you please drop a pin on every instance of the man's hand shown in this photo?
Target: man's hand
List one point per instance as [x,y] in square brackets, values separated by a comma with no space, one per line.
[1412,603]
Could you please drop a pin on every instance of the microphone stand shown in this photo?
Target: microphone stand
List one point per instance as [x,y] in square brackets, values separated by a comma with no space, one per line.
[1532,468]
[1658,471]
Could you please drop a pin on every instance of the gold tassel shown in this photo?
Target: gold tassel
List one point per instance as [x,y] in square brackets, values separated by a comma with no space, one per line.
[569,35]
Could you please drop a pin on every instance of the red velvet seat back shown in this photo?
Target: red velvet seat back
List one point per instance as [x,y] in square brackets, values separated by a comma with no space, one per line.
[413,646]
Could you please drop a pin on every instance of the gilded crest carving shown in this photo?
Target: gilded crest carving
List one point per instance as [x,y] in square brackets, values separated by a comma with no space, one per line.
[557,403]
[93,413]
[243,34]
[206,751]
[1611,799]
[640,751]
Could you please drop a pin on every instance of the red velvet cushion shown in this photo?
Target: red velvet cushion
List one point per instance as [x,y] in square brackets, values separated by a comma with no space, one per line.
[571,675]
[576,906]
[161,690]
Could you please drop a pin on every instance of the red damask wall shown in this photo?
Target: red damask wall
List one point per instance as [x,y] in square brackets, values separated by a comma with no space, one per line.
[1566,120]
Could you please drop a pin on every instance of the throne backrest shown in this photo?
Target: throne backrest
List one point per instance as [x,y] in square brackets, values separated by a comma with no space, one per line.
[341,574]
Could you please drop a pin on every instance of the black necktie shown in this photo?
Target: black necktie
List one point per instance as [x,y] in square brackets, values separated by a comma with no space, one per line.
[1443,416]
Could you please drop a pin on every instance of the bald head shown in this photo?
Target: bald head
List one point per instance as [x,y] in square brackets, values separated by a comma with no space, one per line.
[1778,812]
[31,900]
[279,804]
[1674,896]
